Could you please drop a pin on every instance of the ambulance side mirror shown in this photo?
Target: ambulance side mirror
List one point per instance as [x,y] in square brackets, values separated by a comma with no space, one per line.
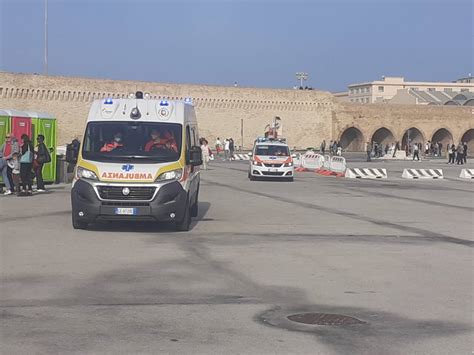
[195,156]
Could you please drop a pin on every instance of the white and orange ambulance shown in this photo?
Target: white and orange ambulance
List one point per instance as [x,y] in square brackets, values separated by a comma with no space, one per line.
[271,158]
[138,161]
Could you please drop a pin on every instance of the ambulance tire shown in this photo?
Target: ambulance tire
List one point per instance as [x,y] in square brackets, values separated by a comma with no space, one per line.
[185,223]
[290,179]
[76,224]
[251,177]
[195,206]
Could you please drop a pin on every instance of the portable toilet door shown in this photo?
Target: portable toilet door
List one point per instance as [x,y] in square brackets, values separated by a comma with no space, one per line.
[21,125]
[4,126]
[45,124]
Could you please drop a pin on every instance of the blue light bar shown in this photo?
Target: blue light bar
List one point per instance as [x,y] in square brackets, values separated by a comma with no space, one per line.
[188,100]
[164,103]
[108,101]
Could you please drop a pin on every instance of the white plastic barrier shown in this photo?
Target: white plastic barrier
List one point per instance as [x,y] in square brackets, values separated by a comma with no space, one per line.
[338,164]
[423,174]
[327,162]
[356,173]
[312,160]
[467,174]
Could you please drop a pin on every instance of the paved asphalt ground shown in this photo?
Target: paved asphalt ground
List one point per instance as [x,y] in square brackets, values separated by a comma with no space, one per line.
[395,254]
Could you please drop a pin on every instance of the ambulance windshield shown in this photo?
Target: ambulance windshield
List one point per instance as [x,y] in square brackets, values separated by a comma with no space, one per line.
[148,142]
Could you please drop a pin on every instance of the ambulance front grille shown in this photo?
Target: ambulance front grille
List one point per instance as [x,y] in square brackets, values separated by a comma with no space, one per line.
[141,193]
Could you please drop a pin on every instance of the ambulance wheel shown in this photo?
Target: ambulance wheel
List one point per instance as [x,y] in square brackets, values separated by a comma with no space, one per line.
[251,177]
[185,223]
[76,224]
[290,179]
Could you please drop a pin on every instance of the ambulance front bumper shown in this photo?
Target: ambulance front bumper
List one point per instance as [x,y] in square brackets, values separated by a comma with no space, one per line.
[93,201]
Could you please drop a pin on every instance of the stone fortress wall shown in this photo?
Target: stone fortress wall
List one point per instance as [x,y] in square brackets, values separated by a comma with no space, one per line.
[308,116]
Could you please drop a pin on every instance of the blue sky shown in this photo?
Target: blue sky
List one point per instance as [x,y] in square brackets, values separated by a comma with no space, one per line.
[259,43]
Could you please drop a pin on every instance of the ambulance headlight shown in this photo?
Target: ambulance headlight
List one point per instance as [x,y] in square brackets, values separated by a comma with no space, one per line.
[83,173]
[257,163]
[171,175]
[288,164]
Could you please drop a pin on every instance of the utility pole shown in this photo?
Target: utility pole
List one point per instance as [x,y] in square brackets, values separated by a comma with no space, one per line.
[45,37]
[242,133]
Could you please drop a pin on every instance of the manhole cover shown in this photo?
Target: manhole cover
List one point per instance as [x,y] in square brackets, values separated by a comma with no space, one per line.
[324,319]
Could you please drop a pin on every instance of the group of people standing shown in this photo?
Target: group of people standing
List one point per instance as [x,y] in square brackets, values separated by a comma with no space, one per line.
[20,162]
[459,153]
[228,147]
[334,148]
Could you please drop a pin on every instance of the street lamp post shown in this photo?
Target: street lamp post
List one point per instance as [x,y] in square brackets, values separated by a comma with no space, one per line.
[45,37]
[301,77]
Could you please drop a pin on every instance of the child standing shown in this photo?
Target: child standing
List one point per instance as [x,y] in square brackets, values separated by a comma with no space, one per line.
[15,166]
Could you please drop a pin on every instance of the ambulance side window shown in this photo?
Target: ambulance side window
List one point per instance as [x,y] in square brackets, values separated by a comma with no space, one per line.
[188,138]
[194,139]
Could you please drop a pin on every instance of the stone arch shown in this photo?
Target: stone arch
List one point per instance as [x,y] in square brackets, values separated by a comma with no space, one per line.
[416,136]
[468,137]
[442,135]
[352,139]
[383,136]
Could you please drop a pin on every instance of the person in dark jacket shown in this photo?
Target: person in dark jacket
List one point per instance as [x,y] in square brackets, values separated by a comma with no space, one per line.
[451,153]
[26,164]
[460,154]
[42,157]
[465,152]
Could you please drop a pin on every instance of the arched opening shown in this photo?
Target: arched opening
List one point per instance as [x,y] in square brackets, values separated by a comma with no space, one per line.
[352,140]
[383,136]
[442,136]
[412,135]
[468,138]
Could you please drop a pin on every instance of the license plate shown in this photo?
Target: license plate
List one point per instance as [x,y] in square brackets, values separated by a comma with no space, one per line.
[273,170]
[125,211]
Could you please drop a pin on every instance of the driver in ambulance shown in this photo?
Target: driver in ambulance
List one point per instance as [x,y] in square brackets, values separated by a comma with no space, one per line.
[157,141]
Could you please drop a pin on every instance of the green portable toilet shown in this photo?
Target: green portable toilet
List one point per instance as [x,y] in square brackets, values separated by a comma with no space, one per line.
[4,129]
[45,124]
[4,125]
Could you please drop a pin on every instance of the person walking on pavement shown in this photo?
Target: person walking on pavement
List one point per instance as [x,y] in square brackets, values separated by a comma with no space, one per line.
[416,152]
[226,149]
[42,157]
[369,151]
[205,153]
[323,147]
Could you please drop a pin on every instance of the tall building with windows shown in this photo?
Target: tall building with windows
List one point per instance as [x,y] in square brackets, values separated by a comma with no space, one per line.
[382,91]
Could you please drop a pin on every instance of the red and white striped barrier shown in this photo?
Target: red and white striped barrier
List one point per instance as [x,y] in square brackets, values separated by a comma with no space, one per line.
[312,161]
[338,164]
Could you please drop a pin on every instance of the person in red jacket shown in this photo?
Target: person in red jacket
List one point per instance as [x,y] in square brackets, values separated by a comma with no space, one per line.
[161,141]
[155,142]
[116,143]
